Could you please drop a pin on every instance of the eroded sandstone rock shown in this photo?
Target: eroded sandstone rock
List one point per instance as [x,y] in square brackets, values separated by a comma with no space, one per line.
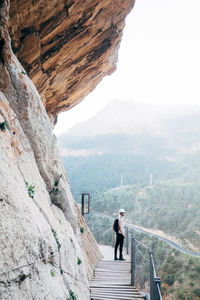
[67,47]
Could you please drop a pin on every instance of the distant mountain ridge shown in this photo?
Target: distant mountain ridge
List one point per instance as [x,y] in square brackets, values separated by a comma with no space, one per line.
[146,159]
[178,125]
[135,140]
[131,118]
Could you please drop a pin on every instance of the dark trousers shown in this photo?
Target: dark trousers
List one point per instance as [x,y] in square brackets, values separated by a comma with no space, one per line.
[119,243]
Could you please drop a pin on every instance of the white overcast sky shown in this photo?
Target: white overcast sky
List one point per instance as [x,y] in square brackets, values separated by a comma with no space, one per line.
[159,60]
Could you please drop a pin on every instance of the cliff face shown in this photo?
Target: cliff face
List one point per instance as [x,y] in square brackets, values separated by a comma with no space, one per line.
[32,228]
[43,254]
[67,47]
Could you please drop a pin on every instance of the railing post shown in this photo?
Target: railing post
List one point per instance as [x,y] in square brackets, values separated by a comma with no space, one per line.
[127,241]
[154,281]
[132,260]
[82,205]
[152,296]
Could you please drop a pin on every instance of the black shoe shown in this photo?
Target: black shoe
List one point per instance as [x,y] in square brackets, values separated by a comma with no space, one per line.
[116,258]
[122,259]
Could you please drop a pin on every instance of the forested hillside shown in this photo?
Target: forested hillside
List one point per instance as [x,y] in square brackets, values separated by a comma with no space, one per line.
[172,209]
[150,166]
[99,173]
[167,157]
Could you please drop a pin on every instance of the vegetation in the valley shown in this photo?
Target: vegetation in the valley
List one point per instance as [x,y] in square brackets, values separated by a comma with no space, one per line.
[151,169]
[99,173]
[179,273]
[173,209]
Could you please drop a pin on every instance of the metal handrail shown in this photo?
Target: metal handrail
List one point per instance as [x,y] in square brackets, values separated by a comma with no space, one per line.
[155,293]
[132,260]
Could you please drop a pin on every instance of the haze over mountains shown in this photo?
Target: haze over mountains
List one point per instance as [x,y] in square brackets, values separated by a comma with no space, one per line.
[146,159]
[135,141]
[178,127]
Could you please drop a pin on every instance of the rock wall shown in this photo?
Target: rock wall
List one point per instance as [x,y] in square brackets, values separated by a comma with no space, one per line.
[88,245]
[43,254]
[32,229]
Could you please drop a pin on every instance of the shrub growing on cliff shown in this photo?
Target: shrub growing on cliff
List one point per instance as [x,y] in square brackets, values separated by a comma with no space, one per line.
[56,197]
[4,125]
[31,190]
[72,296]
[54,191]
[79,261]
[82,229]
[52,273]
[56,238]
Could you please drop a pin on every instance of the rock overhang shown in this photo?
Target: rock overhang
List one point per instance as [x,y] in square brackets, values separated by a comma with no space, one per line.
[67,47]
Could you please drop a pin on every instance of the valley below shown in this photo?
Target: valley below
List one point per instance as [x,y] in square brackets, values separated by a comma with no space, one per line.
[145,159]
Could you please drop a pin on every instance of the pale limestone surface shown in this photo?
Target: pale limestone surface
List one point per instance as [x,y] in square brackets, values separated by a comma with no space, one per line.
[29,154]
[26,225]
[91,251]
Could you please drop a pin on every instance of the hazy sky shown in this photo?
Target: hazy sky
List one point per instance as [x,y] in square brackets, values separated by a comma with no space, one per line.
[159,60]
